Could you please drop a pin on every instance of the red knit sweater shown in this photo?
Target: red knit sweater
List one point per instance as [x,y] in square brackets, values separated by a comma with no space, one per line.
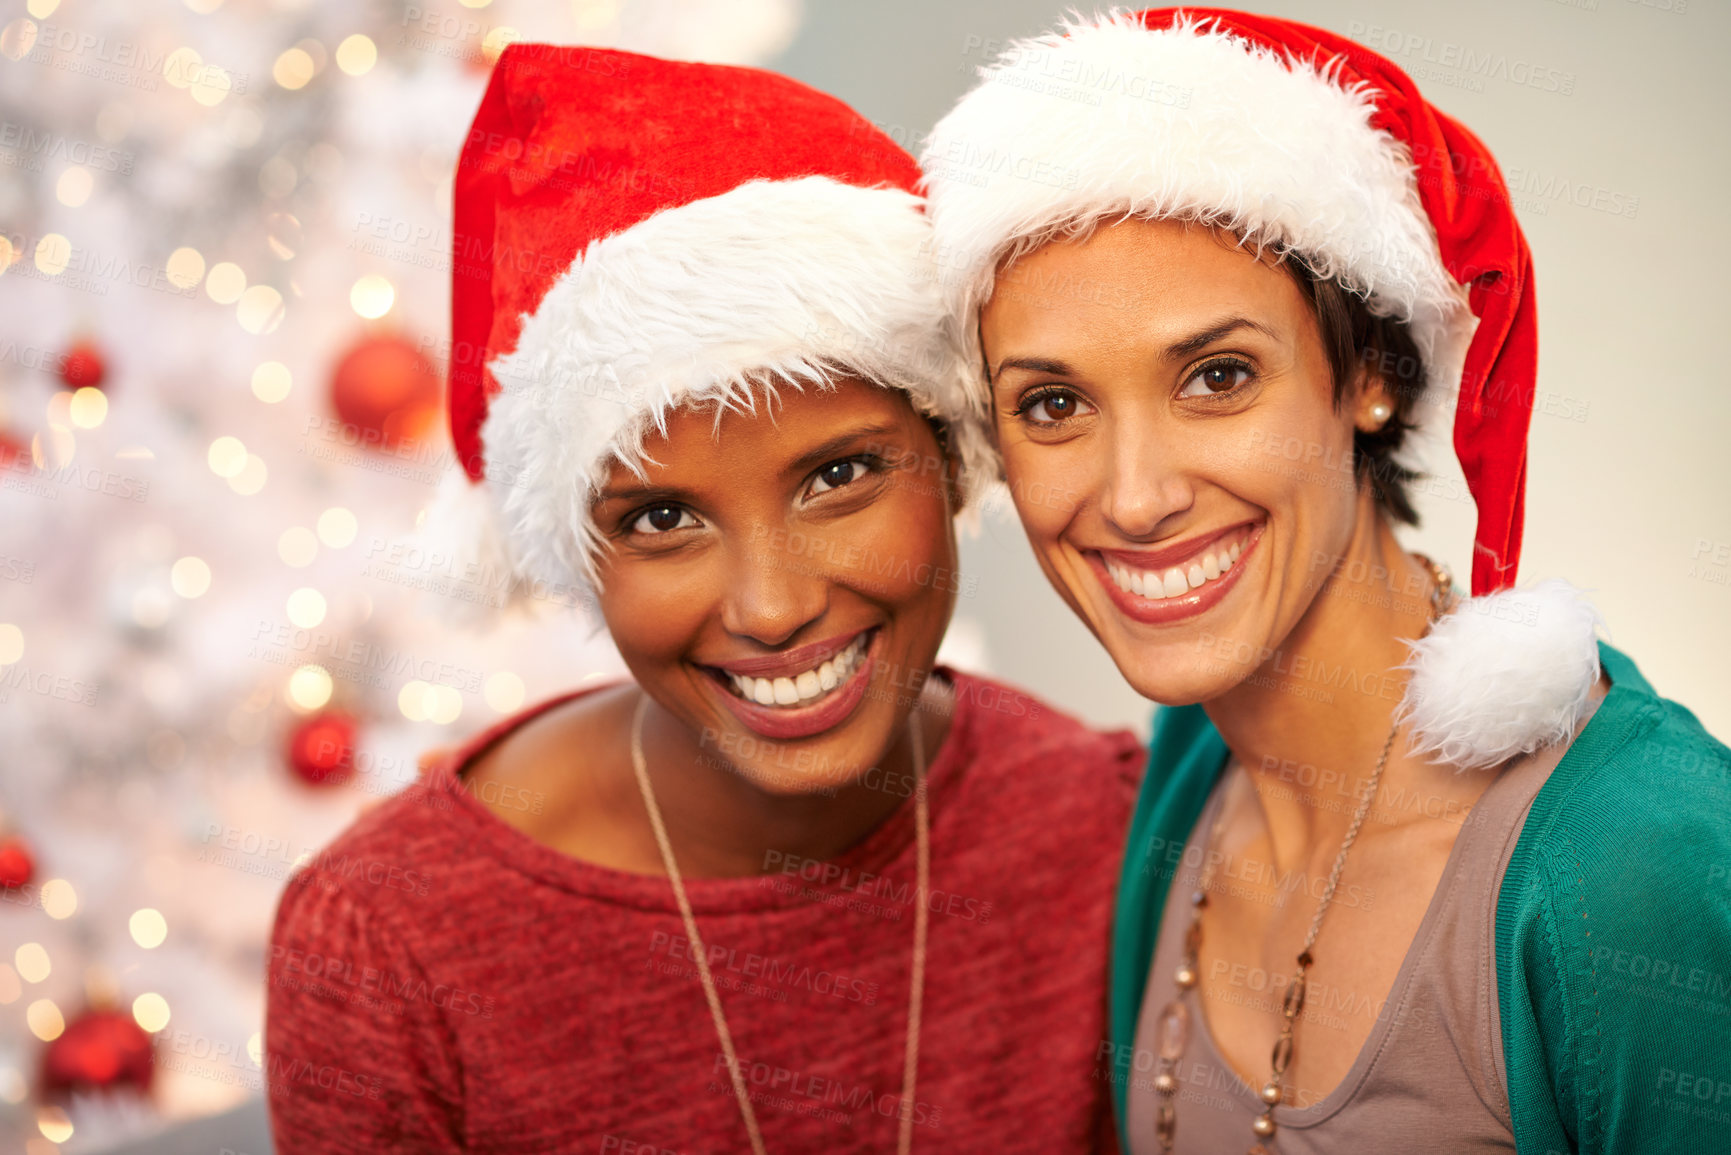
[441,982]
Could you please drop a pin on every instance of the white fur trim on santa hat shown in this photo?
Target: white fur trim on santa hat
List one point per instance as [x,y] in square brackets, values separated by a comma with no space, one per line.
[461,542]
[773,284]
[1502,675]
[1108,118]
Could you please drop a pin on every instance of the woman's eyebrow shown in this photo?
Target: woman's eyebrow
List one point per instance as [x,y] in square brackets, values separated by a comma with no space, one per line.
[1203,338]
[1034,365]
[1183,347]
[639,491]
[819,454]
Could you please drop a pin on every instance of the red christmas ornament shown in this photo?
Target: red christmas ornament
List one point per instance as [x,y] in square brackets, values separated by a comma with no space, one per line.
[17,864]
[321,749]
[12,449]
[100,1050]
[84,366]
[386,391]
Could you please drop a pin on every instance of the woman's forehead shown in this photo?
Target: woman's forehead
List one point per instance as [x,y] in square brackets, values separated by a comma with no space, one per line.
[781,425]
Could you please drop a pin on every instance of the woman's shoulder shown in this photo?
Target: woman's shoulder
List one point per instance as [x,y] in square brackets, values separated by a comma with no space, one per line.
[1614,927]
[530,753]
[424,838]
[1644,774]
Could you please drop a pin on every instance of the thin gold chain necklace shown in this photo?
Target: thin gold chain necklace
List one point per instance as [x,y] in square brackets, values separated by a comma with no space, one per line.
[1173,1032]
[916,987]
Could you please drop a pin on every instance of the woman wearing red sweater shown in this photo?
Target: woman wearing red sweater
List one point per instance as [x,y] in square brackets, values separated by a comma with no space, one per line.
[787,891]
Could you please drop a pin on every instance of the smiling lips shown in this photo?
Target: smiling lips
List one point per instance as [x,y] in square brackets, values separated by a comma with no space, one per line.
[1169,585]
[802,692]
[802,688]
[1178,580]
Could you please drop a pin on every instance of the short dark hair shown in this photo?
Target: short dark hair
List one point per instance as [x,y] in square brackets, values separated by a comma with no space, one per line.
[1356,339]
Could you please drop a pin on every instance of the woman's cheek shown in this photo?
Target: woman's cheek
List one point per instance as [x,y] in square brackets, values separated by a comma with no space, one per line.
[1046,484]
[904,554]
[651,610]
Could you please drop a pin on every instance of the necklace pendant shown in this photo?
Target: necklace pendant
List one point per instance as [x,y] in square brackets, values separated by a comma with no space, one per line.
[1174,1031]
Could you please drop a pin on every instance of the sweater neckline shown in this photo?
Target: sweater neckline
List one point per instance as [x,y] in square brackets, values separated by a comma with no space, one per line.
[861,867]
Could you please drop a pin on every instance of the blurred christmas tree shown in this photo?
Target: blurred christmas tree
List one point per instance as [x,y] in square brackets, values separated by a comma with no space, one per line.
[224,262]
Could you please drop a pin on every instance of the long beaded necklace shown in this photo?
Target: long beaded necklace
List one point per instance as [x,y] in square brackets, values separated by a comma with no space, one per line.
[1173,1032]
[916,987]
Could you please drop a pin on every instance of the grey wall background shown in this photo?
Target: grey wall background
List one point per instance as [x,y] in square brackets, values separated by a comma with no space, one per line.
[1629,480]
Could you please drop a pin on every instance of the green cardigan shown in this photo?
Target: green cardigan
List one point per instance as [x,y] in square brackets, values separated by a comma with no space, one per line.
[1613,932]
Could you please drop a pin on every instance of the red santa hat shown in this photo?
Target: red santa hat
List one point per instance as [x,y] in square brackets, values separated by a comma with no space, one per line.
[1303,142]
[633,235]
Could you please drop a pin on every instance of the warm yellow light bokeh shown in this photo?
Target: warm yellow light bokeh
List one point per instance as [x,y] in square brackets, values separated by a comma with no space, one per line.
[357,54]
[185,267]
[150,1011]
[293,69]
[337,527]
[225,283]
[45,1020]
[53,254]
[58,898]
[271,382]
[227,456]
[297,546]
[190,577]
[251,477]
[260,309]
[74,186]
[306,607]
[32,962]
[149,929]
[88,407]
[309,688]
[372,296]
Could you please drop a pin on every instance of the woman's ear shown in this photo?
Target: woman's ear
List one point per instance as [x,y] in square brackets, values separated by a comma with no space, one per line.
[1372,406]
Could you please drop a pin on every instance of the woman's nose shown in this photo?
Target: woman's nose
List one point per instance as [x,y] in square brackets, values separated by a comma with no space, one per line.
[1143,482]
[772,591]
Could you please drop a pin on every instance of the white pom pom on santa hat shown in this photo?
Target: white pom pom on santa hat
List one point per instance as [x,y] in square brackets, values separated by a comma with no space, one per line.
[1502,675]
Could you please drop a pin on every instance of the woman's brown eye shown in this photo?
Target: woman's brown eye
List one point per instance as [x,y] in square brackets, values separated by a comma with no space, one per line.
[662,519]
[1053,407]
[1221,377]
[837,474]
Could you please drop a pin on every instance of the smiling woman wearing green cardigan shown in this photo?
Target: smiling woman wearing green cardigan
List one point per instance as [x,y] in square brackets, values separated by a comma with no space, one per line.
[1612,925]
[1410,871]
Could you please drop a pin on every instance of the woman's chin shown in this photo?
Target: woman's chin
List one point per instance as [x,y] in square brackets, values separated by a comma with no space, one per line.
[819,766]
[1179,677]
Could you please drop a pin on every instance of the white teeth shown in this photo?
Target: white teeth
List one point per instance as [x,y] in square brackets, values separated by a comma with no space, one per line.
[800,689]
[1173,582]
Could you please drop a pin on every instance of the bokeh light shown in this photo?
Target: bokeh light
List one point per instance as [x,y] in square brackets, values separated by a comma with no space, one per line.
[337,527]
[190,577]
[309,688]
[149,929]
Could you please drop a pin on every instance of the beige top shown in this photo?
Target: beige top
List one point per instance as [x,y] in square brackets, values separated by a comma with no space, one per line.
[1430,1076]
